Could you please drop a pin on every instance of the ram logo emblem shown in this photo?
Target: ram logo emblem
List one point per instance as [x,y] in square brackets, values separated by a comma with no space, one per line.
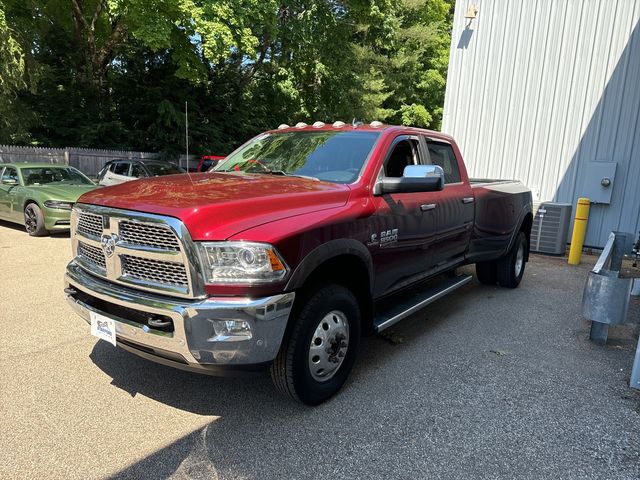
[108,243]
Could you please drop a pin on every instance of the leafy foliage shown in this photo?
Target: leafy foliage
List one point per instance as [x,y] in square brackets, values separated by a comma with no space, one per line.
[117,73]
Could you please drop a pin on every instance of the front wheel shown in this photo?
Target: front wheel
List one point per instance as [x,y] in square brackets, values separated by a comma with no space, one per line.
[34,221]
[318,354]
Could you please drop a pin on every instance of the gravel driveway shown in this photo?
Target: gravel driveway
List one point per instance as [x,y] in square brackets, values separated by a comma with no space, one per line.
[486,383]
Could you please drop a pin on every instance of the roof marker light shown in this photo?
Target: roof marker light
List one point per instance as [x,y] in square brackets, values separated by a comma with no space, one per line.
[338,124]
[318,124]
[301,125]
[376,124]
[282,126]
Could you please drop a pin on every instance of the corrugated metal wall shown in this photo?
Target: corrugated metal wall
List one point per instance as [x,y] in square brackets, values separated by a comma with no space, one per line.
[539,89]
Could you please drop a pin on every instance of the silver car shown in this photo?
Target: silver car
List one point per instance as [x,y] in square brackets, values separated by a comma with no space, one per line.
[119,171]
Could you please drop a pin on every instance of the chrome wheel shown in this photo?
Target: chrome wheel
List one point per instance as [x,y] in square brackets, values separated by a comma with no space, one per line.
[329,345]
[519,263]
[30,220]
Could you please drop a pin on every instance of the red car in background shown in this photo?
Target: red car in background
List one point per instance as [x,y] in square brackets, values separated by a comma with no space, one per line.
[208,161]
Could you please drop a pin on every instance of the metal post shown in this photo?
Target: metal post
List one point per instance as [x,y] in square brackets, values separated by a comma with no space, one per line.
[622,245]
[579,231]
[605,300]
[599,333]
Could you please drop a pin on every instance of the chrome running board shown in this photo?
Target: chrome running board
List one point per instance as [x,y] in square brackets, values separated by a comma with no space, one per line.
[402,310]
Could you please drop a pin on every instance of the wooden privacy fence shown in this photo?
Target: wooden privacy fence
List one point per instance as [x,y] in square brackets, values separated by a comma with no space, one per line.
[87,160]
[11,154]
[90,161]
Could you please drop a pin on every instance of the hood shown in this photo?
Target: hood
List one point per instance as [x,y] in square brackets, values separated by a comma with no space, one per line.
[66,193]
[216,206]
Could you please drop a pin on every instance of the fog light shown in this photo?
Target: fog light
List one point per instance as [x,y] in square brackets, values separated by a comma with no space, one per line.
[231,330]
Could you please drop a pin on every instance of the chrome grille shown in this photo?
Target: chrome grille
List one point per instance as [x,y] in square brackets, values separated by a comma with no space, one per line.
[92,255]
[146,251]
[156,271]
[148,235]
[90,224]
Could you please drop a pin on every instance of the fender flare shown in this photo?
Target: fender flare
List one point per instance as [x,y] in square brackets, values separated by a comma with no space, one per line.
[525,211]
[327,251]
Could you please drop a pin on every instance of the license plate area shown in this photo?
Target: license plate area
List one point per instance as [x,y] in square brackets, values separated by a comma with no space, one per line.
[103,328]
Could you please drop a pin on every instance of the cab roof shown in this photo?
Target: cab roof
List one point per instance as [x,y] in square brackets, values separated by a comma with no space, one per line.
[358,127]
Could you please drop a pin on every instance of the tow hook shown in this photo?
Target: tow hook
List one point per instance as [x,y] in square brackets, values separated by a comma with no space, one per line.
[158,323]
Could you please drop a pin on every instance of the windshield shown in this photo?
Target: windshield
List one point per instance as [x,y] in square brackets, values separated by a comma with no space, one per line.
[326,155]
[156,169]
[57,175]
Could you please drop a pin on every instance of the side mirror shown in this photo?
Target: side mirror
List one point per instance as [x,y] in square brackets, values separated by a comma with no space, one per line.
[10,181]
[415,178]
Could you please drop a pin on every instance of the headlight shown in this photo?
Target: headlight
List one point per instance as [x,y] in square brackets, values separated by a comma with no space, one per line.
[58,205]
[240,262]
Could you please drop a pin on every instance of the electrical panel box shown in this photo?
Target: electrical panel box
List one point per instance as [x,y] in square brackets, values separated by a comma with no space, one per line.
[550,228]
[598,182]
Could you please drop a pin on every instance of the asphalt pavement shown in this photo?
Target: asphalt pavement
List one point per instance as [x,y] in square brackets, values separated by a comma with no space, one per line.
[485,383]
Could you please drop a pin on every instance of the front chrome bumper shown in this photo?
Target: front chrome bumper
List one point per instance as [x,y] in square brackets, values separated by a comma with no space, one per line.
[192,345]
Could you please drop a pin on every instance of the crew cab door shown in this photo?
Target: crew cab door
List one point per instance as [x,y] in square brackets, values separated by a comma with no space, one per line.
[404,224]
[455,206]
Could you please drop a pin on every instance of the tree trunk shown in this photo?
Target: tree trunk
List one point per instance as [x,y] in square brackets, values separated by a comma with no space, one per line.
[97,57]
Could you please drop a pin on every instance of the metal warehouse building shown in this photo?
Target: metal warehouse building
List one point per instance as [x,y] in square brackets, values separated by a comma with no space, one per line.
[548,92]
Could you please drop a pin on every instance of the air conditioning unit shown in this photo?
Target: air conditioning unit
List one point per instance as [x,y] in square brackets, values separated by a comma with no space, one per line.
[550,228]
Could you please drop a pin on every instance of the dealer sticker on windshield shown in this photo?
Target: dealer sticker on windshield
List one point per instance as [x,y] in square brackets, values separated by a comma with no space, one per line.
[103,328]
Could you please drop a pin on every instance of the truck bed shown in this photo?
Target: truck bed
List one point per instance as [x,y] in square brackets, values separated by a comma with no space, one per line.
[479,182]
[502,186]
[500,209]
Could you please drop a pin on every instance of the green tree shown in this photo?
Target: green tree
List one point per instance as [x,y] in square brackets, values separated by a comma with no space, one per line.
[14,121]
[116,73]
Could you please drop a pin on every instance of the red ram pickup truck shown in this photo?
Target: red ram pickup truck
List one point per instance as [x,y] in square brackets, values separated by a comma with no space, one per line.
[290,251]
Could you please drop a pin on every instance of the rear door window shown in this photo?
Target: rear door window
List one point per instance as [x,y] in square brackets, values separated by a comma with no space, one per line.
[137,170]
[121,168]
[442,154]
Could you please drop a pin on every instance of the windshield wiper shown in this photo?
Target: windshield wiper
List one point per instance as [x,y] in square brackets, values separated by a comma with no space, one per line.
[285,174]
[281,173]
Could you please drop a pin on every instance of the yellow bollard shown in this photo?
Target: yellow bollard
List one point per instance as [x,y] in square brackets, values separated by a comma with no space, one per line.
[579,231]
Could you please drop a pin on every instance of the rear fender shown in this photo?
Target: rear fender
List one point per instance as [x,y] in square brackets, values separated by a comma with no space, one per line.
[525,216]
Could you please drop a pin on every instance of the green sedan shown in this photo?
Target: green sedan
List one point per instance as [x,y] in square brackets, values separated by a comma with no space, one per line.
[40,195]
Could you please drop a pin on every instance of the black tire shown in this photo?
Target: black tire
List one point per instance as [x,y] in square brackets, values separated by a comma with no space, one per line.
[291,371]
[487,272]
[34,220]
[511,266]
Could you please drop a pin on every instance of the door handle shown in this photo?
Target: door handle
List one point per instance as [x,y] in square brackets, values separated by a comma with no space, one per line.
[467,200]
[428,206]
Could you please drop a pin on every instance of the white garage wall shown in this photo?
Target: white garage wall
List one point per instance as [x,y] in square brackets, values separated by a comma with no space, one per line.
[539,89]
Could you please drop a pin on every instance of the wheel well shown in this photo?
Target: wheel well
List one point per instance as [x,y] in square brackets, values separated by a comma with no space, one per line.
[350,272]
[29,202]
[527,223]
